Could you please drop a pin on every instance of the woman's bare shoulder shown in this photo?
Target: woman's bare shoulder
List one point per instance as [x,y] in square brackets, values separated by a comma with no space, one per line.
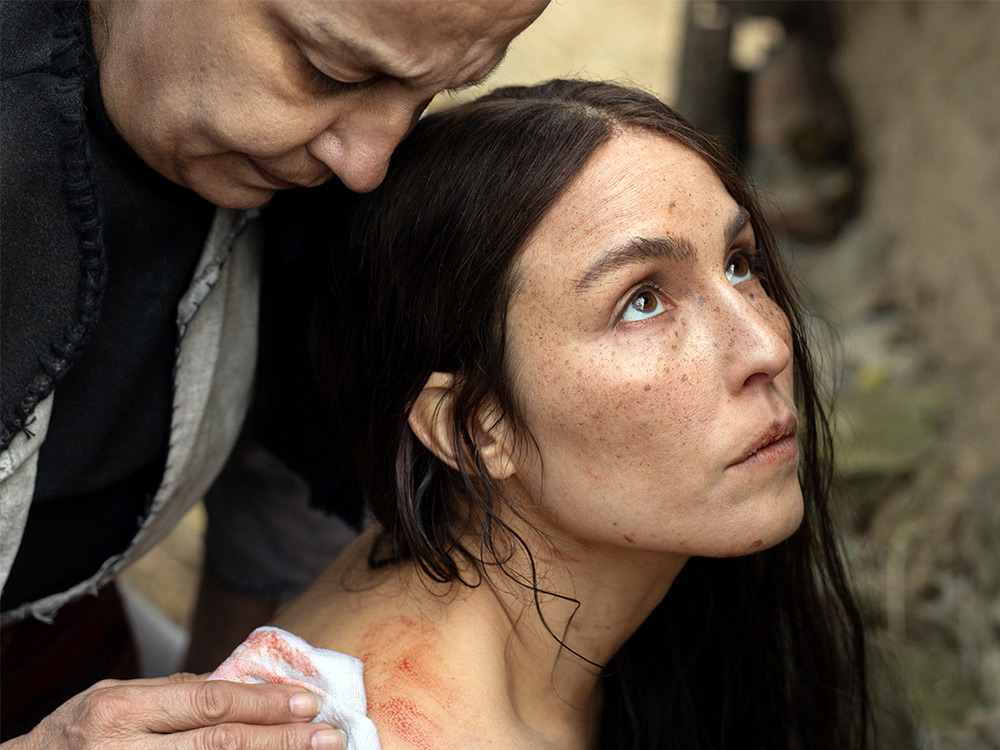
[420,695]
[425,687]
[431,675]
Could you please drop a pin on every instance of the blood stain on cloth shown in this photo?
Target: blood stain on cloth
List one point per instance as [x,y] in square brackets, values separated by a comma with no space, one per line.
[269,642]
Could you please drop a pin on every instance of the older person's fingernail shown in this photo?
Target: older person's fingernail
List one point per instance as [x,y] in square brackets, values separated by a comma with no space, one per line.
[305,705]
[329,739]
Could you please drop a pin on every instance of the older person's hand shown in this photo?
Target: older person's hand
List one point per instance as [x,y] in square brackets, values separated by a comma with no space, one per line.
[183,712]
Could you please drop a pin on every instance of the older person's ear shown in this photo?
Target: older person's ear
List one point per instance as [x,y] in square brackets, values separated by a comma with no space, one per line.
[432,420]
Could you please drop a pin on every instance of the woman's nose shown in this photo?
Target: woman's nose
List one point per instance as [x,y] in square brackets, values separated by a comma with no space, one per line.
[758,341]
[358,145]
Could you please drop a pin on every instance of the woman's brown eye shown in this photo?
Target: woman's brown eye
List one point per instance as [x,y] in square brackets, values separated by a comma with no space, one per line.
[738,270]
[644,305]
[644,302]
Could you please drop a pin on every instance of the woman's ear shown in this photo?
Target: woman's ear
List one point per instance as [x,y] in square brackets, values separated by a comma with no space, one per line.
[431,417]
[495,442]
[432,421]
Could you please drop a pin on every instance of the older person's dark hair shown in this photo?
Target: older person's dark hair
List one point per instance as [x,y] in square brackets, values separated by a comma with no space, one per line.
[762,651]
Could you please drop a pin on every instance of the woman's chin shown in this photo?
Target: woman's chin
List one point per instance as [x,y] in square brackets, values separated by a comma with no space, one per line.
[770,524]
[783,521]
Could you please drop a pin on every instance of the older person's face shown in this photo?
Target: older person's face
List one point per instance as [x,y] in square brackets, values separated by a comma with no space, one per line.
[650,366]
[241,98]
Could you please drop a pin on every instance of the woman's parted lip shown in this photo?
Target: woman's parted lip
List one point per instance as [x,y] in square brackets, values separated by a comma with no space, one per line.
[778,430]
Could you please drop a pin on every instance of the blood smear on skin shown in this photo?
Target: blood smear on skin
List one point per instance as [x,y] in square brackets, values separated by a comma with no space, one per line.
[400,658]
[406,666]
[404,719]
[374,641]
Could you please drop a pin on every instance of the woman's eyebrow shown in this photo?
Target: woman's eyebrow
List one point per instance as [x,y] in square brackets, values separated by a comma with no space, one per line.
[644,249]
[736,224]
[633,251]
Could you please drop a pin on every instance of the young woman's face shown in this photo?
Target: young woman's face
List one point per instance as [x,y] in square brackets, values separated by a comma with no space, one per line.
[651,367]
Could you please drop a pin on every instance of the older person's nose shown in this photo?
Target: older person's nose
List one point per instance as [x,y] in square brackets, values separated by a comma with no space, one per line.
[357,147]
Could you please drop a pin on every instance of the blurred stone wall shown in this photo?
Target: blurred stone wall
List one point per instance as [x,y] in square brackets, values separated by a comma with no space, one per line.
[913,285]
[923,83]
[637,42]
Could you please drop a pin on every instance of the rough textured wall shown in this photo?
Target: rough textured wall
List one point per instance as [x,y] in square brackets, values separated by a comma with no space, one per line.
[632,41]
[923,81]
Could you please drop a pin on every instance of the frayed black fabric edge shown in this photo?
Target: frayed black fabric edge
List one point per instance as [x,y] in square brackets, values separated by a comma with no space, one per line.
[67,61]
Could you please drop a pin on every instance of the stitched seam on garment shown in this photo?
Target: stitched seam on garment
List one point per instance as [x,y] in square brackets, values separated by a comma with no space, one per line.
[208,277]
[66,61]
[224,238]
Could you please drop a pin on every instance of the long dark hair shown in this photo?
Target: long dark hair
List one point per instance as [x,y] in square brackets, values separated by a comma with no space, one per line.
[763,651]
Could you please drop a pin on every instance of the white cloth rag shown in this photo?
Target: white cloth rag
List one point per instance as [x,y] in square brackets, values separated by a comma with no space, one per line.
[274,655]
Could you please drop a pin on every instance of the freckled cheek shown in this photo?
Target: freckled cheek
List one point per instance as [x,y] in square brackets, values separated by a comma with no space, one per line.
[603,406]
[773,314]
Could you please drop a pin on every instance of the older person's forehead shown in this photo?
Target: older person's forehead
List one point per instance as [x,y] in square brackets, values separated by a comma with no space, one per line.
[379,20]
[451,42]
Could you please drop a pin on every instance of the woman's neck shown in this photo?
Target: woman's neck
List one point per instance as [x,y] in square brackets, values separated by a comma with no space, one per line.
[442,649]
[591,599]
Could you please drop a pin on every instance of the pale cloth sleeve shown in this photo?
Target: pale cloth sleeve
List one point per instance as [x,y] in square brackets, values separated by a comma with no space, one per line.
[274,655]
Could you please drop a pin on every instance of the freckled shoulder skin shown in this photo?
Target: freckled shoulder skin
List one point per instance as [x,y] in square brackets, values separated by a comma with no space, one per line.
[429,687]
